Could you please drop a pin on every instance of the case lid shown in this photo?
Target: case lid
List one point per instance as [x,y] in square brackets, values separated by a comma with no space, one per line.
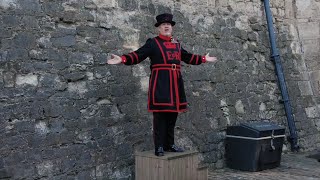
[256,130]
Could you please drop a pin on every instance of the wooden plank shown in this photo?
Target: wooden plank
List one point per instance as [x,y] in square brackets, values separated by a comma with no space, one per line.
[202,173]
[189,167]
[146,168]
[171,169]
[160,169]
[137,167]
[194,166]
[153,167]
[183,168]
[155,172]
[164,170]
[175,169]
[139,173]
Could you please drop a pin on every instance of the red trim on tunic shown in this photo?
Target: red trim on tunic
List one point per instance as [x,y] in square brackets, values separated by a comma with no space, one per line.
[149,89]
[135,54]
[181,110]
[177,91]
[179,46]
[132,60]
[197,59]
[163,55]
[191,59]
[171,89]
[154,86]
[154,89]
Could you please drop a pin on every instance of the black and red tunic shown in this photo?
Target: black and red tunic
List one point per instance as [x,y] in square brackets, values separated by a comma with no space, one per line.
[166,89]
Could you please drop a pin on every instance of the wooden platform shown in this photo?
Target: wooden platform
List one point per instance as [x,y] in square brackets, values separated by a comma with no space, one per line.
[171,166]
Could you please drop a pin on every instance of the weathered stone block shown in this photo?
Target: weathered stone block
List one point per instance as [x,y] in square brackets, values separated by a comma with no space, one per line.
[309,30]
[88,31]
[61,32]
[74,76]
[60,65]
[53,8]
[44,42]
[9,79]
[304,8]
[305,88]
[38,55]
[315,80]
[3,56]
[29,79]
[65,41]
[149,8]
[312,112]
[80,58]
[30,22]
[5,33]
[11,21]
[256,27]
[77,88]
[128,5]
[24,40]
[8,4]
[30,7]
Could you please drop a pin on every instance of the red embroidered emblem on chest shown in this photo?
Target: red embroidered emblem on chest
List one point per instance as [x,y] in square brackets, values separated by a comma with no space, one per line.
[170,45]
[174,55]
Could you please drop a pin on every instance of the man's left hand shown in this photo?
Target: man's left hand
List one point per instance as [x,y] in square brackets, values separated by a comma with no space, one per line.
[211,58]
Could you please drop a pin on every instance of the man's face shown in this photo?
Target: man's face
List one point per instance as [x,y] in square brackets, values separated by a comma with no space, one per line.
[165,29]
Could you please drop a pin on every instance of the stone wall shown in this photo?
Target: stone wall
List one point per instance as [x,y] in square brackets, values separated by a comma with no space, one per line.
[65,114]
[307,43]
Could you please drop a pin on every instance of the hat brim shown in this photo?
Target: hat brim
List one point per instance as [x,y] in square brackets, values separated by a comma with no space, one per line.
[171,22]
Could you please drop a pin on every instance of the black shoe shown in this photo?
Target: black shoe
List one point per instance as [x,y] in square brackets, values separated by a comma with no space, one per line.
[175,148]
[159,151]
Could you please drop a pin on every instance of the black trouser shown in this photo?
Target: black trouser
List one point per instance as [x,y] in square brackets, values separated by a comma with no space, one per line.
[163,128]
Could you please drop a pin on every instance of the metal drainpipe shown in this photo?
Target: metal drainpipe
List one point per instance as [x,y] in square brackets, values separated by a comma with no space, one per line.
[275,57]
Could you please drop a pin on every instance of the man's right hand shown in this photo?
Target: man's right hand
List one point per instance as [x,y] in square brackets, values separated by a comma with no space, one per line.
[114,59]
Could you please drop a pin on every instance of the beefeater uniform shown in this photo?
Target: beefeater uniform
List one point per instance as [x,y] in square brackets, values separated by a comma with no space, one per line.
[166,89]
[166,94]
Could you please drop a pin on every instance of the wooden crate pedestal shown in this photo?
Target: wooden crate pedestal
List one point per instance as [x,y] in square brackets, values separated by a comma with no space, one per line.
[171,166]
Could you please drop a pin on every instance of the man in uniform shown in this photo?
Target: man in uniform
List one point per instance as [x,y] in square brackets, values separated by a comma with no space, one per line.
[166,96]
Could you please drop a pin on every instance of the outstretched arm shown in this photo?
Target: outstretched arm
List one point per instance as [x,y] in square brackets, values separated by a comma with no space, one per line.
[134,57]
[195,59]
